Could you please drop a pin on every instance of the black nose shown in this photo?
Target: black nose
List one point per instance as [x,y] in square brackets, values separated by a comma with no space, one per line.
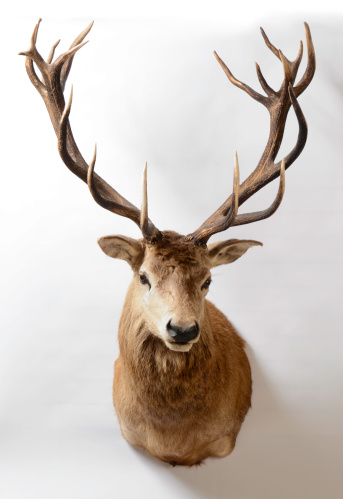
[180,335]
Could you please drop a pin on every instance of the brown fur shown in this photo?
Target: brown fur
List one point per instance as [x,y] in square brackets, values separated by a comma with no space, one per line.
[180,406]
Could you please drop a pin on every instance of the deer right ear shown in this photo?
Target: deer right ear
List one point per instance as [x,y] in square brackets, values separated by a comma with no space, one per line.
[225,252]
[124,248]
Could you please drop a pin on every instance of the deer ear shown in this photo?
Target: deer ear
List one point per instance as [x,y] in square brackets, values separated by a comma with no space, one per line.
[124,248]
[228,251]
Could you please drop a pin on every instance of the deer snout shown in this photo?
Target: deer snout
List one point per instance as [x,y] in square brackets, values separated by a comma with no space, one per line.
[181,335]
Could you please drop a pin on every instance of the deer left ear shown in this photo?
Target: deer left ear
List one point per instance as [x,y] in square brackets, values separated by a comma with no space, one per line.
[228,251]
[124,248]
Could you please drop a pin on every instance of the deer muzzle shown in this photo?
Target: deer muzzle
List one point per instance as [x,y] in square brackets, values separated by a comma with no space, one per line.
[180,335]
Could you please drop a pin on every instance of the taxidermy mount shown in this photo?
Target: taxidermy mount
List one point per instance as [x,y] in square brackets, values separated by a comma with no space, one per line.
[182,382]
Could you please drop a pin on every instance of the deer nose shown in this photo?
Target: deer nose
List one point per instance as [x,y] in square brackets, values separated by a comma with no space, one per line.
[180,335]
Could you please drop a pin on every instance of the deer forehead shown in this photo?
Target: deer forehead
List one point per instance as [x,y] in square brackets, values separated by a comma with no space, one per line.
[175,259]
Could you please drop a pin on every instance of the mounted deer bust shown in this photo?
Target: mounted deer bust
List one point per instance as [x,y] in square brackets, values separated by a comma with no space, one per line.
[182,382]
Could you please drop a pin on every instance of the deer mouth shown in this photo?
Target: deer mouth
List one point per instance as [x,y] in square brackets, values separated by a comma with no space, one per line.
[179,346]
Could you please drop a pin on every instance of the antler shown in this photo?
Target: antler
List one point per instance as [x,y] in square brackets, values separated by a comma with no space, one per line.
[278,104]
[51,87]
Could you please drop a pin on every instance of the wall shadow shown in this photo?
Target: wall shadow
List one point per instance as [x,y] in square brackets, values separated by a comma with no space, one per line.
[273,458]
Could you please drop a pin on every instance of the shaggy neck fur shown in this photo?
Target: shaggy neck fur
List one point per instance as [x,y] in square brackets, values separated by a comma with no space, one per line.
[165,380]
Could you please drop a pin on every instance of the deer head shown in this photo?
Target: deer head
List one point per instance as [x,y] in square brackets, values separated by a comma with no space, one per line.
[171,279]
[172,273]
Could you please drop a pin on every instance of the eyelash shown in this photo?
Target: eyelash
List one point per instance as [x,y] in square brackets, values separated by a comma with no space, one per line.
[206,284]
[144,280]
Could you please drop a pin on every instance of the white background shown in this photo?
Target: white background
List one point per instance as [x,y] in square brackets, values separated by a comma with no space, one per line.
[147,87]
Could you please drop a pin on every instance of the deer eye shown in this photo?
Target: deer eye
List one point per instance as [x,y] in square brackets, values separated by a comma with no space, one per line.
[143,279]
[207,283]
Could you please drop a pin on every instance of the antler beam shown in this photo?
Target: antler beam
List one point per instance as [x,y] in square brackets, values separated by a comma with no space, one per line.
[51,88]
[278,104]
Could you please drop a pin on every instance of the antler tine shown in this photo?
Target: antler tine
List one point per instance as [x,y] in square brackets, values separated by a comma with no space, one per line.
[67,56]
[144,222]
[248,218]
[311,64]
[294,65]
[149,232]
[97,196]
[269,44]
[201,237]
[67,66]
[278,104]
[54,76]
[255,95]
[52,52]
[33,39]
[286,70]
[269,91]
[33,55]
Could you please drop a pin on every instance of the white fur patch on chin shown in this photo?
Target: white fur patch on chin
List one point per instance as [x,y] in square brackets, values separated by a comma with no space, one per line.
[179,348]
